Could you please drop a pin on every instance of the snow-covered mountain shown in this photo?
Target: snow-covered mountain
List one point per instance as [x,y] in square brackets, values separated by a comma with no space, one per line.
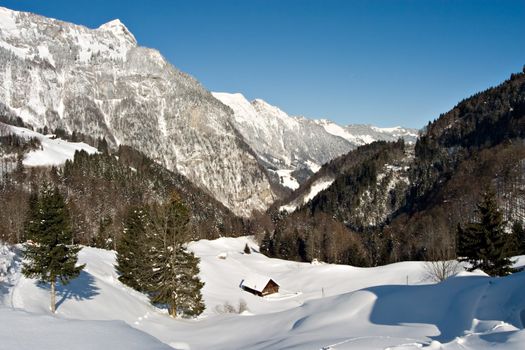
[285,145]
[295,147]
[361,134]
[101,83]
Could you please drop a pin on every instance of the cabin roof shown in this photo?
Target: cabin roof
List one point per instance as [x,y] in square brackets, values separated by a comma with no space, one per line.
[256,282]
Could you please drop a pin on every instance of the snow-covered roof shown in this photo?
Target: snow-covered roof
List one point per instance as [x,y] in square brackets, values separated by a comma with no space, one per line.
[256,282]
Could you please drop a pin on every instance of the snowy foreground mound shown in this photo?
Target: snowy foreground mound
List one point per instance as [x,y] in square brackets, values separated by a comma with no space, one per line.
[319,306]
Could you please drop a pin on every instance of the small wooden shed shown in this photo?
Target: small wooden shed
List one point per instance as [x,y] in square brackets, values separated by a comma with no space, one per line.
[260,285]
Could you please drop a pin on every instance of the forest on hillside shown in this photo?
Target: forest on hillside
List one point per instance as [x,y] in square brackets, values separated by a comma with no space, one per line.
[365,218]
[99,189]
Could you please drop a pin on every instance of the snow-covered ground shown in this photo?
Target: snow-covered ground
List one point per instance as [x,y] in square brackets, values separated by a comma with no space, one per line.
[52,151]
[320,306]
[286,179]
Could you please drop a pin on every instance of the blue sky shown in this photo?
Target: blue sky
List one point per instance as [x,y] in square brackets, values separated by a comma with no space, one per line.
[382,62]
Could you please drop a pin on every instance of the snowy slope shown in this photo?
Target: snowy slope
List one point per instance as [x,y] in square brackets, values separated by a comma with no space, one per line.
[53,151]
[315,188]
[319,306]
[28,331]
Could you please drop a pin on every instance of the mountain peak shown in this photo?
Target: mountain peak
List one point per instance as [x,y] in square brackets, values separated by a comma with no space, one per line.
[118,29]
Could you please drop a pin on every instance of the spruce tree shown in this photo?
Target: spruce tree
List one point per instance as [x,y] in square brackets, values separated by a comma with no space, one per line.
[267,247]
[519,238]
[50,256]
[131,248]
[173,279]
[484,243]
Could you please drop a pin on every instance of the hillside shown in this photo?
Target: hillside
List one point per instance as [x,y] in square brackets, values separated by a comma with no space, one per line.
[403,202]
[319,306]
[100,186]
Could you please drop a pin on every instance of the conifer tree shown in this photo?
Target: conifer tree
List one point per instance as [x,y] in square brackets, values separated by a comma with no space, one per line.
[247,249]
[131,248]
[484,243]
[50,256]
[174,277]
[519,237]
[267,247]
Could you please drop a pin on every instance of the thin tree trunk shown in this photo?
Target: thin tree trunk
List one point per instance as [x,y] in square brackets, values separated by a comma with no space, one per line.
[173,310]
[53,296]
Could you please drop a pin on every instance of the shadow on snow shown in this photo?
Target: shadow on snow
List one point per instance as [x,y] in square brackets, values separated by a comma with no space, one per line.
[452,305]
[81,288]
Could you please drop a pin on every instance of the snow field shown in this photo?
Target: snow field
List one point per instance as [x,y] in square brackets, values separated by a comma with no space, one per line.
[320,306]
[53,151]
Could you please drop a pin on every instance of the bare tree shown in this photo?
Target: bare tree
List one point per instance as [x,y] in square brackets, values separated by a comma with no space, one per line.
[440,270]
[442,265]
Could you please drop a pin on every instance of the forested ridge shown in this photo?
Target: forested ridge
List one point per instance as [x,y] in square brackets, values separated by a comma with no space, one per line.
[99,189]
[391,202]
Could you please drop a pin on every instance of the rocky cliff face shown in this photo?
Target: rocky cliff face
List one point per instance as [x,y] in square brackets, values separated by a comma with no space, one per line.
[101,83]
[290,148]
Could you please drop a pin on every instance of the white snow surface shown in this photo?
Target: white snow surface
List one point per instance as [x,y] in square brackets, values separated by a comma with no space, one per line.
[319,306]
[318,186]
[361,134]
[286,178]
[27,331]
[53,151]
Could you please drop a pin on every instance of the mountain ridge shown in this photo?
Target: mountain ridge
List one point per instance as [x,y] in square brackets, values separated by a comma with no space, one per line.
[295,147]
[100,83]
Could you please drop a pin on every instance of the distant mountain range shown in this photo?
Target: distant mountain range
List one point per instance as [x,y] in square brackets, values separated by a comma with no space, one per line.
[293,148]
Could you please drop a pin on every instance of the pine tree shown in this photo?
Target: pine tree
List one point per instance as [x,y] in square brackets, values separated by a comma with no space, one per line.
[267,247]
[247,249]
[51,256]
[131,248]
[484,244]
[519,237]
[174,277]
[301,247]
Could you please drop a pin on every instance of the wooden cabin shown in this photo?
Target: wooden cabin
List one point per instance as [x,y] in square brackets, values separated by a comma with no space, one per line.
[260,285]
